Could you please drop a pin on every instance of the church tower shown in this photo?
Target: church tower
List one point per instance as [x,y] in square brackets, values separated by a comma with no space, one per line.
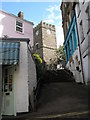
[45,41]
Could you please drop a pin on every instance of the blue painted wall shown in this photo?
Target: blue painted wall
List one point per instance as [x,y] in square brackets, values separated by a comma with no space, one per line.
[71,40]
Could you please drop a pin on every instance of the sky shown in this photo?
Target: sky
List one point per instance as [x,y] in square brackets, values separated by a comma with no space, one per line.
[36,11]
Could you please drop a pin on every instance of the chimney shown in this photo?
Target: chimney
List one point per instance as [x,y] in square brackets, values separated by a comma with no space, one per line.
[21,15]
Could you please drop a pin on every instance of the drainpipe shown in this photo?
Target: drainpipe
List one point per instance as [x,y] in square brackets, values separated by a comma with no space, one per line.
[80,49]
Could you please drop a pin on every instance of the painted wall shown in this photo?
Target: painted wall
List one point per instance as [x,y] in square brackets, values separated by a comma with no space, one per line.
[24,80]
[82,10]
[25,72]
[21,81]
[32,80]
[73,64]
[72,51]
[8,27]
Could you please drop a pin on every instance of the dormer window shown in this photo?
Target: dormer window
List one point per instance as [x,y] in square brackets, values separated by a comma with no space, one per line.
[19,26]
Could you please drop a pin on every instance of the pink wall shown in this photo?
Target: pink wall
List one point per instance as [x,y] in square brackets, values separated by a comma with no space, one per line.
[8,27]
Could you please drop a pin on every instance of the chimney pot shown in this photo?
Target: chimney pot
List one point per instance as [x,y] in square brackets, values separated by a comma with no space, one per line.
[21,15]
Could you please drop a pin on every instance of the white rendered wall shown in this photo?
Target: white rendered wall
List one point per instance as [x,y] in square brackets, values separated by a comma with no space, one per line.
[8,27]
[24,80]
[72,67]
[31,77]
[21,81]
[84,46]
[85,69]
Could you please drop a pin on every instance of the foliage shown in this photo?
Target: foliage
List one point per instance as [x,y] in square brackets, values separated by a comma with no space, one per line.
[37,58]
[53,64]
[39,65]
[60,54]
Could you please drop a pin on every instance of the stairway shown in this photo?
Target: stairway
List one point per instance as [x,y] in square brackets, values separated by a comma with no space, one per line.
[62,75]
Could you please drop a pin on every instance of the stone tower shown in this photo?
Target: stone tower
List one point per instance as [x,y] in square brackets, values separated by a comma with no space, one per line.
[45,41]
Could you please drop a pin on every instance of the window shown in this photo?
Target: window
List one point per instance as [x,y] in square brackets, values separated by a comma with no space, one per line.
[83,2]
[8,80]
[19,26]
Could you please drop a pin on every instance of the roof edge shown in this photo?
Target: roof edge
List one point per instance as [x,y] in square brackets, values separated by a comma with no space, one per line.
[16,16]
[15,39]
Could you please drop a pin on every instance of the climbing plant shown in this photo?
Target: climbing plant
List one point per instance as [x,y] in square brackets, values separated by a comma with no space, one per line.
[39,65]
[60,54]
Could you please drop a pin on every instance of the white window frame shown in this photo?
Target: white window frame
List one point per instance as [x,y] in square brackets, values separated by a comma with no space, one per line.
[21,27]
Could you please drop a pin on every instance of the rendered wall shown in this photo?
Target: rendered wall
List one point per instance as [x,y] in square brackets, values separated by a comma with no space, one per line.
[84,34]
[21,95]
[73,64]
[32,80]
[24,80]
[8,27]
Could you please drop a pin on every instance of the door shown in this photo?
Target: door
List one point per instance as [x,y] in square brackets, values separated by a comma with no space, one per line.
[8,93]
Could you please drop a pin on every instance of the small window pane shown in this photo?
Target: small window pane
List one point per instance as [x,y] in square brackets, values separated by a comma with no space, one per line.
[19,23]
[19,26]
[19,29]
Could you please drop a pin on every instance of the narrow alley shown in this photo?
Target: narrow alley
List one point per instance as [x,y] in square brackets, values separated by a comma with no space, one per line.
[59,100]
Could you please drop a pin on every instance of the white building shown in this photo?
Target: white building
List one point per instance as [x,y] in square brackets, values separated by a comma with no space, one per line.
[76,26]
[18,67]
[83,24]
[71,43]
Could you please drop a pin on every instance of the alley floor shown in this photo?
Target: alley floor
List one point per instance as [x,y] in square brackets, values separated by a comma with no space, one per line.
[59,100]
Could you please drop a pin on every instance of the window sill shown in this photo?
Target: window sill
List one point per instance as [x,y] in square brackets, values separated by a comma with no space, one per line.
[19,32]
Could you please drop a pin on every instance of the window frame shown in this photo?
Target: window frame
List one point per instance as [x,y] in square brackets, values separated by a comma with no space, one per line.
[19,26]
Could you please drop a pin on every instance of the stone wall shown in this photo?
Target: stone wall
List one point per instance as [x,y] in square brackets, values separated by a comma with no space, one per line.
[45,41]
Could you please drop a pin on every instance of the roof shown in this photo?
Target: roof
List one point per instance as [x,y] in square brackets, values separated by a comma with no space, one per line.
[15,39]
[16,17]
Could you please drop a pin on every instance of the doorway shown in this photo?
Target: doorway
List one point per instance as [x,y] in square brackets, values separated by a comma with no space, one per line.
[8,91]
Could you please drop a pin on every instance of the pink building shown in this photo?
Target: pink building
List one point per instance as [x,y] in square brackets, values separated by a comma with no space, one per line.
[15,26]
[19,70]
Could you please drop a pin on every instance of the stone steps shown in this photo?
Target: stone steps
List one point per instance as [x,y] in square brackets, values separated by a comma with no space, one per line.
[58,76]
